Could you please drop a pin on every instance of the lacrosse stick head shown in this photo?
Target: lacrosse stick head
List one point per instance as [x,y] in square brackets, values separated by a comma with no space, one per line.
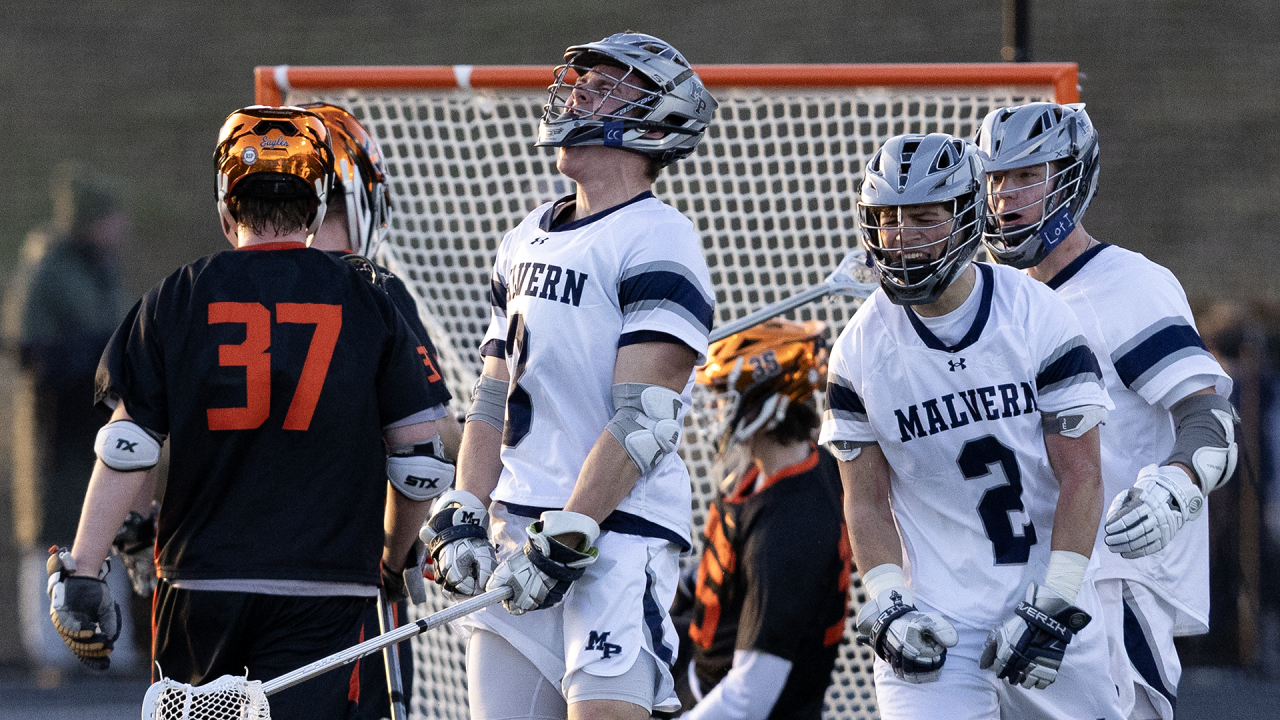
[226,698]
[855,276]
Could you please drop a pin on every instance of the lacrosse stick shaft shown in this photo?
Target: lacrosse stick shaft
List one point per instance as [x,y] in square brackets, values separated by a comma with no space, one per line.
[373,645]
[391,659]
[749,321]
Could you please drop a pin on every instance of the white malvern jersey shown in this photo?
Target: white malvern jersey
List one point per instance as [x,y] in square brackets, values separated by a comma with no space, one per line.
[564,299]
[970,483]
[1136,318]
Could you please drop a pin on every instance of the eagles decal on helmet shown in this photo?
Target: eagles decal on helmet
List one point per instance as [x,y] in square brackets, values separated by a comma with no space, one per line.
[274,152]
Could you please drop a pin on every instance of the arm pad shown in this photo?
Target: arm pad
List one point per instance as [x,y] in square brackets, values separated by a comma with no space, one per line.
[489,401]
[420,472]
[1205,438]
[644,422]
[1073,422]
[126,446]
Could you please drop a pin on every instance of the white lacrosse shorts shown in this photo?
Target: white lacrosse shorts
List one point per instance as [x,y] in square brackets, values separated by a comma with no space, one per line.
[1144,662]
[964,691]
[614,612]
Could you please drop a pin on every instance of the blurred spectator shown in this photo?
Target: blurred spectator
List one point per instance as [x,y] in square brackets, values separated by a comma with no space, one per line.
[63,303]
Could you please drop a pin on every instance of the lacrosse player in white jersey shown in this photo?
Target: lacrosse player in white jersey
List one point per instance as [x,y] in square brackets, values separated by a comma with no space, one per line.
[963,403]
[601,307]
[1171,437]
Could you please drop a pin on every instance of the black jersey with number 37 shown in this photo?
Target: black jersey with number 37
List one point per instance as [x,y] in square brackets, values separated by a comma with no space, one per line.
[273,371]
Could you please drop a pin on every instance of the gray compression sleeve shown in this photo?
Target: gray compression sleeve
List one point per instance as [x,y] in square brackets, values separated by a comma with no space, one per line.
[489,401]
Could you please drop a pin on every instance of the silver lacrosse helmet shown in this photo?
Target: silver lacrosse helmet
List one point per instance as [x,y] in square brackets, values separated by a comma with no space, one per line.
[1060,137]
[921,170]
[657,90]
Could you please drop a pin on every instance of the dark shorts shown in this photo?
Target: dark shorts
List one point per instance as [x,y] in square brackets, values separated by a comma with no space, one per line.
[369,689]
[201,635]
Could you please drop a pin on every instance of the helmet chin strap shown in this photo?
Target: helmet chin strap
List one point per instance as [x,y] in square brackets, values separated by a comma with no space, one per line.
[771,413]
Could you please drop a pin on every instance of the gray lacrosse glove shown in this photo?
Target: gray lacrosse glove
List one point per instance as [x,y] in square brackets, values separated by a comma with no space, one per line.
[135,545]
[1028,649]
[544,570]
[457,539]
[1143,519]
[83,613]
[913,643]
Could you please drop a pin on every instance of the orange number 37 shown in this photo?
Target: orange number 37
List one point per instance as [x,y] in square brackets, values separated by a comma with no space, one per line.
[252,355]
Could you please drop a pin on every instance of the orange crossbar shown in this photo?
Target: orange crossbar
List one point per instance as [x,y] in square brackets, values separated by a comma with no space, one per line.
[1063,77]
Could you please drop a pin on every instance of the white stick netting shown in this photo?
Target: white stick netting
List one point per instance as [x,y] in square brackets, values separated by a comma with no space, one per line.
[227,698]
[771,189]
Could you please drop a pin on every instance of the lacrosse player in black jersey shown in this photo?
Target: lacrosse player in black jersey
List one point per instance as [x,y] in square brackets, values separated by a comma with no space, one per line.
[772,587]
[275,370]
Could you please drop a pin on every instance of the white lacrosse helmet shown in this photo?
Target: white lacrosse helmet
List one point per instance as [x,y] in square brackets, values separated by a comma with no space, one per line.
[670,98]
[1034,134]
[922,170]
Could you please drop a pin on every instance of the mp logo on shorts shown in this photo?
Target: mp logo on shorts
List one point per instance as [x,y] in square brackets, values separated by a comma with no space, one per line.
[600,641]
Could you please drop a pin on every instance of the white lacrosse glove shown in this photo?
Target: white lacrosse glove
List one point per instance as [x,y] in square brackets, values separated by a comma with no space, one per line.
[913,643]
[135,545]
[1143,519]
[543,571]
[1027,649]
[457,539]
[83,613]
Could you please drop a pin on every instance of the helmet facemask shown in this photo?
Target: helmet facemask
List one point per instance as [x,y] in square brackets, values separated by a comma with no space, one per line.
[1037,230]
[920,272]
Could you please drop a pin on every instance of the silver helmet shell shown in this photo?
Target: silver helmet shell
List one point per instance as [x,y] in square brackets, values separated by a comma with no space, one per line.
[917,170]
[1033,134]
[672,100]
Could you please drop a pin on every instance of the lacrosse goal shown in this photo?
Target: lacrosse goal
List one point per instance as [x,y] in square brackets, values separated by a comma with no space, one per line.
[771,190]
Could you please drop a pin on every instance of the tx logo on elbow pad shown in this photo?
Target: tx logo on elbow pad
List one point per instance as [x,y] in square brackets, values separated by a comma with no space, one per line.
[600,641]
[425,483]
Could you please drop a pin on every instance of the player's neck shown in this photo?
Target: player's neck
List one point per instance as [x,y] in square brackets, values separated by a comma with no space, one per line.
[332,235]
[246,237]
[951,298]
[605,177]
[1060,257]
[773,457]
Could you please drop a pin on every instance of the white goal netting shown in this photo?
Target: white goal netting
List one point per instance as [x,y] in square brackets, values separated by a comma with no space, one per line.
[771,189]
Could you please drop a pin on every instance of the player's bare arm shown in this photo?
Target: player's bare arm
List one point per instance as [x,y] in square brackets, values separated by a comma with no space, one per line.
[480,455]
[872,532]
[110,497]
[404,516]
[609,473]
[1077,464]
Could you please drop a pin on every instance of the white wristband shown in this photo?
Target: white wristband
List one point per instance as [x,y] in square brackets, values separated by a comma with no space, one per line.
[1066,573]
[883,578]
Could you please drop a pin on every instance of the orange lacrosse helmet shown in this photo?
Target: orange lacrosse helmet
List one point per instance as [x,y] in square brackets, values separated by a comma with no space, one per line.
[757,374]
[361,176]
[274,152]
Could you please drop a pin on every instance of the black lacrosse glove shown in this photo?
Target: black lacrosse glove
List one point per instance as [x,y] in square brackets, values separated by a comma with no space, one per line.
[1027,649]
[83,613]
[135,544]
[396,583]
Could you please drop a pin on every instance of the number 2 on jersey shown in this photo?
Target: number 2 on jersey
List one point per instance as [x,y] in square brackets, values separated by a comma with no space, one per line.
[252,354]
[1000,502]
[519,402]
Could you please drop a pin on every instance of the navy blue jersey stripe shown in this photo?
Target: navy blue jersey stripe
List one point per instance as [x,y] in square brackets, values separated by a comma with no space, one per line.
[618,521]
[644,336]
[843,398]
[549,218]
[1142,657]
[663,285]
[1075,266]
[932,342]
[1079,360]
[653,616]
[1151,351]
[494,348]
[498,295]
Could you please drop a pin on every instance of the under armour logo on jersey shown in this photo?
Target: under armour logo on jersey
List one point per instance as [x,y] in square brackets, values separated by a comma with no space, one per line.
[126,445]
[600,641]
[956,364]
[538,241]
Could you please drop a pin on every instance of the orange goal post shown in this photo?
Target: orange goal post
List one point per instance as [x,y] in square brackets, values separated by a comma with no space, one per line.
[771,190]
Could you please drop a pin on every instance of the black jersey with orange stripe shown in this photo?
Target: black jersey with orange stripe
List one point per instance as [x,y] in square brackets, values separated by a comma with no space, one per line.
[273,370]
[774,578]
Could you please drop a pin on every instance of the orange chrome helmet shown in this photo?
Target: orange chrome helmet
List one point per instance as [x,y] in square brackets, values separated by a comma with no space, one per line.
[274,152]
[361,176]
[756,374]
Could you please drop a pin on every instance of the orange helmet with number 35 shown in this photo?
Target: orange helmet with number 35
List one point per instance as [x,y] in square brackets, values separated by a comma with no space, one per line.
[274,152]
[755,375]
[361,176]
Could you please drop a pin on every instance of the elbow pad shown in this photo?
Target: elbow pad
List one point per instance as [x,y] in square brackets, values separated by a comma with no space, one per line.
[644,422]
[1073,422]
[1205,438]
[420,472]
[126,446]
[489,402]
